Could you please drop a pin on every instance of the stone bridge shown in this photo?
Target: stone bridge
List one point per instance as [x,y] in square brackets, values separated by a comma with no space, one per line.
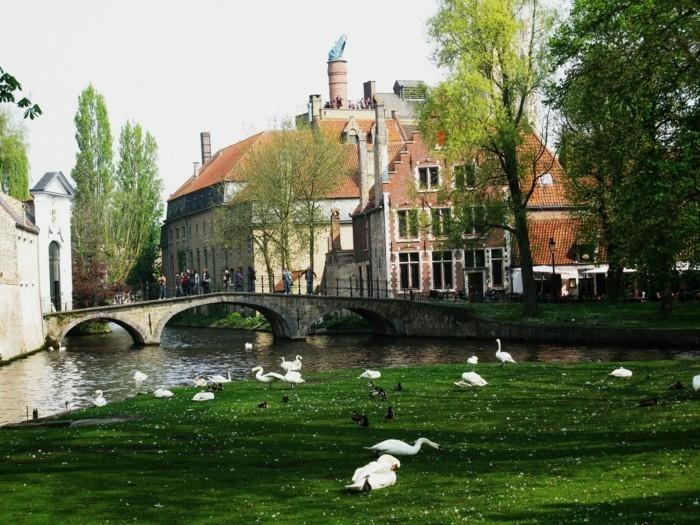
[289,315]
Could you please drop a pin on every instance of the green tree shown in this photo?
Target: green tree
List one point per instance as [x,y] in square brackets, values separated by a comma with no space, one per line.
[14,166]
[495,53]
[132,232]
[93,175]
[629,100]
[9,86]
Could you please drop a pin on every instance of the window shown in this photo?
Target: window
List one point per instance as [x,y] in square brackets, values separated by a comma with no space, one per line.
[206,259]
[196,228]
[442,270]
[440,218]
[170,234]
[474,259]
[478,222]
[408,224]
[428,178]
[409,270]
[198,262]
[177,233]
[546,179]
[497,268]
[465,176]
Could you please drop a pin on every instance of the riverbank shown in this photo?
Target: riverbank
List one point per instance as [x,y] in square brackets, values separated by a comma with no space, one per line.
[539,444]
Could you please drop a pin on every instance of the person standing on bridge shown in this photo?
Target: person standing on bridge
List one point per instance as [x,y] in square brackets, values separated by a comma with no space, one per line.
[238,280]
[309,275]
[251,279]
[162,281]
[206,280]
[287,281]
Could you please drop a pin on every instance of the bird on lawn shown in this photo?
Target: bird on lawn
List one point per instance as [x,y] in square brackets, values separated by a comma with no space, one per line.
[651,402]
[361,419]
[218,378]
[470,379]
[473,360]
[375,475]
[377,391]
[293,378]
[200,382]
[621,372]
[99,400]
[370,374]
[398,387]
[503,357]
[268,378]
[139,376]
[292,365]
[396,447]
[215,387]
[675,386]
[389,413]
[285,398]
[203,396]
[696,383]
[264,404]
[162,393]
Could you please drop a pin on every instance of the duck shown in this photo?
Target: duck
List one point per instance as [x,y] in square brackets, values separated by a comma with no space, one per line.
[675,386]
[696,383]
[99,400]
[361,419]
[621,372]
[370,374]
[140,376]
[200,382]
[293,378]
[375,475]
[503,357]
[398,387]
[162,393]
[377,391]
[215,387]
[268,378]
[248,346]
[285,398]
[473,360]
[470,379]
[203,396]
[218,378]
[396,447]
[264,404]
[389,413]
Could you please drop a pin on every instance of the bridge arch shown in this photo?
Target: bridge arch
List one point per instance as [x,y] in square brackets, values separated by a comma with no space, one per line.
[135,330]
[379,323]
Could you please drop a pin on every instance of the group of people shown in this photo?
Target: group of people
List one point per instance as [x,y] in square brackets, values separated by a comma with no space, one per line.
[287,280]
[233,279]
[363,103]
[190,282]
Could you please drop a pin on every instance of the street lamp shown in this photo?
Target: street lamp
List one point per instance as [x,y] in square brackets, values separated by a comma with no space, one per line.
[552,246]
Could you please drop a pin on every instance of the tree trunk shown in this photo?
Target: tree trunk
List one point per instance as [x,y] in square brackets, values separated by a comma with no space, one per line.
[666,297]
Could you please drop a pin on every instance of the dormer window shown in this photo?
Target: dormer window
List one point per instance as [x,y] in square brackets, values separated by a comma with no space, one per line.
[428,177]
[546,179]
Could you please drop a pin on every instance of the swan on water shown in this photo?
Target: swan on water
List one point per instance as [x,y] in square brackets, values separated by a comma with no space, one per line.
[473,360]
[268,378]
[248,346]
[293,378]
[470,379]
[375,475]
[140,376]
[218,378]
[621,372]
[162,393]
[396,447]
[203,396]
[370,374]
[99,400]
[503,357]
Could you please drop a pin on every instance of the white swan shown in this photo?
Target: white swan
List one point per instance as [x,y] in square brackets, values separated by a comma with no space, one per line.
[470,379]
[370,374]
[162,393]
[203,396]
[473,360]
[218,378]
[99,400]
[399,448]
[291,365]
[268,378]
[503,357]
[696,383]
[200,382]
[139,376]
[293,378]
[375,475]
[621,372]
[248,346]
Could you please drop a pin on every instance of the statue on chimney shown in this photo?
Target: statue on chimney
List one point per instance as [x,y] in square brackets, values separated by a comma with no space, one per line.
[336,52]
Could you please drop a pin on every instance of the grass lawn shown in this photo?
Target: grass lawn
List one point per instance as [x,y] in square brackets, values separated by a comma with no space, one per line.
[540,444]
[685,315]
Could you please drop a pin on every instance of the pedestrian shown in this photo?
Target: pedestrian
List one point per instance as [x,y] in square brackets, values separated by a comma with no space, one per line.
[191,275]
[287,281]
[309,275]
[206,280]
[196,282]
[251,279]
[227,278]
[178,284]
[162,282]
[186,282]
[238,280]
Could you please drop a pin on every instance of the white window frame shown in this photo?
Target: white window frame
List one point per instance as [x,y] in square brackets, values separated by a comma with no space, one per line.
[407,211]
[419,262]
[442,262]
[429,186]
[441,213]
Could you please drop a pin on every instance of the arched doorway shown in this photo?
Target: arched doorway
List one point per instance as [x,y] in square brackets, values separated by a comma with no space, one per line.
[55,274]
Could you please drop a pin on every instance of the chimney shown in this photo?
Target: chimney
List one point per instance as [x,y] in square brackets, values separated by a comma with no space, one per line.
[335,229]
[338,81]
[314,107]
[205,141]
[370,89]
[381,153]
[195,170]
[364,175]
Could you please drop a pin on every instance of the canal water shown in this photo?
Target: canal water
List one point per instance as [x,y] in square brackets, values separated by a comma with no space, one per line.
[56,381]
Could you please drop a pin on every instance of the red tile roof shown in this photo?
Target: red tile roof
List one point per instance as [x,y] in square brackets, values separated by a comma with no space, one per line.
[335,127]
[545,195]
[565,234]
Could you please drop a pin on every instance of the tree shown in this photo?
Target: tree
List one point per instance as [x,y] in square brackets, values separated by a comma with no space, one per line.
[631,79]
[133,227]
[93,174]
[8,86]
[14,166]
[495,52]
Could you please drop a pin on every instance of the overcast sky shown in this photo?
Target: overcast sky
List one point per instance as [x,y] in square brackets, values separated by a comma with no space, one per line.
[181,67]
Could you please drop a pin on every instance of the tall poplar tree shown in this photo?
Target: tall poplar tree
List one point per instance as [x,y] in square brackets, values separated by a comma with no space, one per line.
[14,166]
[93,174]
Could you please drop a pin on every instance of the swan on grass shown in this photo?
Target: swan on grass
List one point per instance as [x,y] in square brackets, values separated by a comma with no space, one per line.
[99,400]
[218,378]
[140,376]
[375,475]
[370,374]
[162,393]
[696,383]
[396,447]
[203,396]
[293,378]
[292,365]
[200,382]
[268,378]
[503,357]
[621,372]
[470,379]
[473,360]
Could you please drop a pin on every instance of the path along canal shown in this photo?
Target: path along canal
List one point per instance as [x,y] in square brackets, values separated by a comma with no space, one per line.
[54,381]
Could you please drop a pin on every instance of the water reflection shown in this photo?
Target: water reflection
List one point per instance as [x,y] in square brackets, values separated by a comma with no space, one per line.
[52,381]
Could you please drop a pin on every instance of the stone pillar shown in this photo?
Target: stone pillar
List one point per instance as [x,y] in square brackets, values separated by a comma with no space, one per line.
[364,173]
[381,154]
[335,229]
[314,107]
[338,81]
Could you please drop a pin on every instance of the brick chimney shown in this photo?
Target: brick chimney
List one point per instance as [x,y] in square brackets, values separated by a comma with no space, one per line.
[370,89]
[335,229]
[205,142]
[381,153]
[338,80]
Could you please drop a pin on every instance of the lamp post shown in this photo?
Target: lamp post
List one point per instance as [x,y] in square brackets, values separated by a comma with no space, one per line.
[552,246]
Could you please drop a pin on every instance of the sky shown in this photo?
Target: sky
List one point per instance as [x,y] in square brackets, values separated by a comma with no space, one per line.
[181,67]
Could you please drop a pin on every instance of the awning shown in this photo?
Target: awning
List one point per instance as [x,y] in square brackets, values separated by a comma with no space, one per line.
[566,272]
[603,268]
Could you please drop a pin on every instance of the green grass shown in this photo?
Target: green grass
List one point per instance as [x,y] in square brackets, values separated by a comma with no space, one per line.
[232,320]
[540,444]
[604,314]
